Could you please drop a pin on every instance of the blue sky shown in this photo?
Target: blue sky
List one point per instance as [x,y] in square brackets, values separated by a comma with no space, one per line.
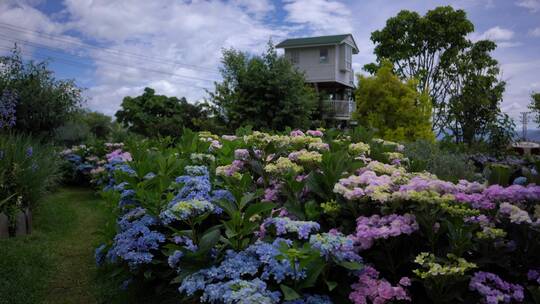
[115,48]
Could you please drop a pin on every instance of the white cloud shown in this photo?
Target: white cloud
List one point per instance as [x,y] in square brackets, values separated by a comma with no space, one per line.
[503,37]
[179,39]
[259,8]
[496,34]
[19,21]
[319,16]
[531,5]
[535,32]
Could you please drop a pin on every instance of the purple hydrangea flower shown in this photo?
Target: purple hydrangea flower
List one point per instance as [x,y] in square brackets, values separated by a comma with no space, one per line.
[494,290]
[369,229]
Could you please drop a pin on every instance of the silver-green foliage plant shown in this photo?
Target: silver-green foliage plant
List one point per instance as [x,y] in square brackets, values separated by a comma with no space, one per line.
[427,156]
[28,169]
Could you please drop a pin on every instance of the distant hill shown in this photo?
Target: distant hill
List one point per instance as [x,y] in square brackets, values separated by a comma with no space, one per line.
[532,134]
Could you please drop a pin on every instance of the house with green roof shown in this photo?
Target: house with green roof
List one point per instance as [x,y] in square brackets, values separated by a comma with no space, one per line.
[327,65]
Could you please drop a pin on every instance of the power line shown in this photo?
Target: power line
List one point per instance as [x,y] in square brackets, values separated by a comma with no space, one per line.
[82,64]
[38,45]
[101,48]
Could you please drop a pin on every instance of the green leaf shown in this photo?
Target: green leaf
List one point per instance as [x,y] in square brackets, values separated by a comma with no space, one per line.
[148,274]
[313,211]
[331,285]
[209,239]
[289,293]
[351,265]
[248,197]
[312,274]
[258,208]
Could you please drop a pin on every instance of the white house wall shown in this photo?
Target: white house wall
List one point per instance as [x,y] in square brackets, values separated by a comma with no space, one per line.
[314,70]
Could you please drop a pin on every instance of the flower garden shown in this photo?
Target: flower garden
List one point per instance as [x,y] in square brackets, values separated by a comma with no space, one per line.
[306,217]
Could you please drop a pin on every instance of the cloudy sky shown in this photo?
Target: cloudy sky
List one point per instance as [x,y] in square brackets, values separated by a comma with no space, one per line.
[115,48]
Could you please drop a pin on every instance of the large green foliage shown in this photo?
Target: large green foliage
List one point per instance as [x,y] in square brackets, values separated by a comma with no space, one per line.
[460,76]
[422,47]
[535,106]
[157,115]
[395,109]
[43,103]
[265,92]
[476,93]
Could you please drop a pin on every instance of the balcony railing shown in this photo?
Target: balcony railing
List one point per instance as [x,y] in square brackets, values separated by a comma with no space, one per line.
[340,109]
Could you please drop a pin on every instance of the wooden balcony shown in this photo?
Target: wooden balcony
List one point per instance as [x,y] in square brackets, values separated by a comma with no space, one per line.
[340,109]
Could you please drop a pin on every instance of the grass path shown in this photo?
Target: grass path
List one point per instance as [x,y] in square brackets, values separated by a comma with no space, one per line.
[55,264]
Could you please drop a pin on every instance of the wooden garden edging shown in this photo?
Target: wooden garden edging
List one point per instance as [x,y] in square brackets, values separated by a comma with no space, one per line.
[22,224]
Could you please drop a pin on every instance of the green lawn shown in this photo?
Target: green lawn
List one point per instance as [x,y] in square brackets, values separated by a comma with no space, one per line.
[56,264]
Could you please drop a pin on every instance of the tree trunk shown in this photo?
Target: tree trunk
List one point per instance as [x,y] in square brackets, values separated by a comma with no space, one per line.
[20,224]
[28,213]
[4,226]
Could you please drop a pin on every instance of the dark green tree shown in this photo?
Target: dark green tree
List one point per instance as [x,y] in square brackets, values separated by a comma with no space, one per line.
[476,93]
[157,115]
[42,103]
[422,47]
[534,106]
[100,125]
[265,91]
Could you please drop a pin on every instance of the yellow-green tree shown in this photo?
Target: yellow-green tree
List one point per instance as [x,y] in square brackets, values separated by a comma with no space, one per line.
[394,109]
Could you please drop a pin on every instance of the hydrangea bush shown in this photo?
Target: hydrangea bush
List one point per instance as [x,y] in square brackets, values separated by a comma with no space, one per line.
[307,217]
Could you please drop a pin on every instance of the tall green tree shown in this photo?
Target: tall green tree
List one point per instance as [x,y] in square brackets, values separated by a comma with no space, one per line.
[460,76]
[534,106]
[476,93]
[157,115]
[422,47]
[265,91]
[393,108]
[36,102]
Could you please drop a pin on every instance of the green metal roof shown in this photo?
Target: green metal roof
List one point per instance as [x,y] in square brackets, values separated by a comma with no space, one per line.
[320,40]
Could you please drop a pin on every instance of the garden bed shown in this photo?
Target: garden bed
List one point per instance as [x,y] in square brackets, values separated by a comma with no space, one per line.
[311,217]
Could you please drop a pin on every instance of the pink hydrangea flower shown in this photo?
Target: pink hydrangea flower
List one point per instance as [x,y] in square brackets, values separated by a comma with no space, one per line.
[314,133]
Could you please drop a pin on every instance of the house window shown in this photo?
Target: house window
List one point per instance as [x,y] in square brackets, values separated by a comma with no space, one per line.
[295,56]
[348,57]
[323,55]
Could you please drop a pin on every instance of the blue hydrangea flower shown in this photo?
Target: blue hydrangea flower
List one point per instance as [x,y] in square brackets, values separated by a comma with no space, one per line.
[195,197]
[8,107]
[335,244]
[99,254]
[241,292]
[279,269]
[187,242]
[196,170]
[183,210]
[194,187]
[286,225]
[125,168]
[311,299]
[259,261]
[136,240]
[174,259]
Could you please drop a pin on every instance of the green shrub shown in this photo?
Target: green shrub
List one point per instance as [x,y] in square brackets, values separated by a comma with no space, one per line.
[447,165]
[498,174]
[42,102]
[72,133]
[27,170]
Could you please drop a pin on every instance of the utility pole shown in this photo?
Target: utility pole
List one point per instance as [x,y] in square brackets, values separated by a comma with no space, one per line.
[524,121]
